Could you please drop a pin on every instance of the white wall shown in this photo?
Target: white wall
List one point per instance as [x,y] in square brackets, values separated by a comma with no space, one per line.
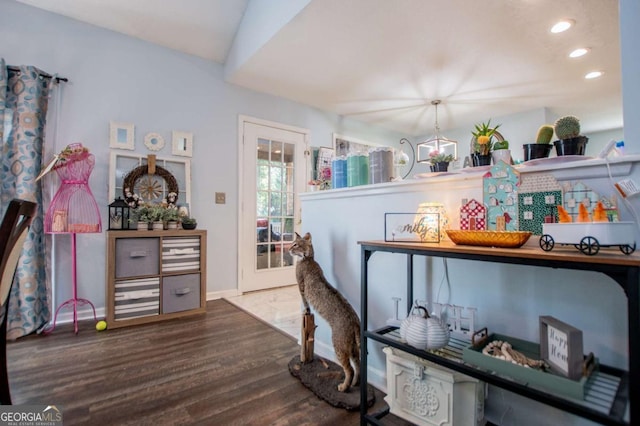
[630,56]
[509,298]
[115,77]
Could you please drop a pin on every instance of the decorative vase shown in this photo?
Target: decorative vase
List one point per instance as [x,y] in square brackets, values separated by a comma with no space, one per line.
[480,160]
[501,155]
[571,146]
[440,166]
[533,151]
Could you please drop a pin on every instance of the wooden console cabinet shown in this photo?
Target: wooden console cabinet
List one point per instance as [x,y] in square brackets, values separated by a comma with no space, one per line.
[155,275]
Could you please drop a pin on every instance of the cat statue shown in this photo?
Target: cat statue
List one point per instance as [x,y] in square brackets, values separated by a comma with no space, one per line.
[330,305]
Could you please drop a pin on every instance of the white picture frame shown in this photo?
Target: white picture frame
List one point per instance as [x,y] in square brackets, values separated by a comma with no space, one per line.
[182,143]
[121,135]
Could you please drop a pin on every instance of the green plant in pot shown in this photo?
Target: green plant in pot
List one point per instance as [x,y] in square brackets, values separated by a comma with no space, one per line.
[500,152]
[141,215]
[189,223]
[481,143]
[542,147]
[570,141]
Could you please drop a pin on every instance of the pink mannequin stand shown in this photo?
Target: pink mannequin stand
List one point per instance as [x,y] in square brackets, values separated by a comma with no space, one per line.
[73,210]
[74,301]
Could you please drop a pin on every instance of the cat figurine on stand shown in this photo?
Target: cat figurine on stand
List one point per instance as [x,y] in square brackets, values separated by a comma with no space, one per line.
[330,305]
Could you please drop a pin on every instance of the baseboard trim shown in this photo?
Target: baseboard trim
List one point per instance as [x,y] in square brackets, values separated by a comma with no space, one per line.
[215,295]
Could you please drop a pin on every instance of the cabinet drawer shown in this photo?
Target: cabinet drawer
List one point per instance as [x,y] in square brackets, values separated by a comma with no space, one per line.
[137,298]
[180,293]
[137,256]
[180,254]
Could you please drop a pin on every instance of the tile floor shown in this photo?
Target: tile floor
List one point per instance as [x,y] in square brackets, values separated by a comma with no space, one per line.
[280,307]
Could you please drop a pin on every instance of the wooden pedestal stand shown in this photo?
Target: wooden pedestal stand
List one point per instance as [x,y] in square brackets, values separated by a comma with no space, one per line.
[308,331]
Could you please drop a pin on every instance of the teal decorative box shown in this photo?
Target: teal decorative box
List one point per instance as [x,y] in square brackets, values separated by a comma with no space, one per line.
[536,378]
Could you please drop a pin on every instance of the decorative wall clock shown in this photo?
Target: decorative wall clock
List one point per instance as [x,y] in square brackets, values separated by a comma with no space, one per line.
[154,142]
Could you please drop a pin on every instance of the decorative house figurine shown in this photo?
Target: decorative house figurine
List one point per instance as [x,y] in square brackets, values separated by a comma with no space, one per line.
[500,194]
[576,194]
[538,197]
[473,215]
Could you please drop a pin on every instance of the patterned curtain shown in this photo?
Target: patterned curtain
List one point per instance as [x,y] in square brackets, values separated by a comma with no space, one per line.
[24,95]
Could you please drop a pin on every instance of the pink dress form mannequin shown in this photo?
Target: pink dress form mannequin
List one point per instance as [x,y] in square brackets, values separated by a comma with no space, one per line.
[73,210]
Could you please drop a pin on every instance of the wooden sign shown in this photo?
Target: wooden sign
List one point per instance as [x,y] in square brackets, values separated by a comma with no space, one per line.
[561,347]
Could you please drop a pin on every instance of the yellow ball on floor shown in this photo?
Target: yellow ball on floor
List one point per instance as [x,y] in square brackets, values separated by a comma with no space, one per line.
[101,325]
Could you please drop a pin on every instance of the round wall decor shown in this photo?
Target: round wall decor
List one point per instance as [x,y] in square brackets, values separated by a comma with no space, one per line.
[139,181]
[154,142]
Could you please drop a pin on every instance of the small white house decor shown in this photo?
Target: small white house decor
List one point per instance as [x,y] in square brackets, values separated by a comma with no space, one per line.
[561,347]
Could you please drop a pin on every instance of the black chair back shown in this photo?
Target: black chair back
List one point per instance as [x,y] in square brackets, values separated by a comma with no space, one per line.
[13,232]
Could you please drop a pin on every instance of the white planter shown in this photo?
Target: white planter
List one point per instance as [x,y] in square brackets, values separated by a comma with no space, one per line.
[158,226]
[143,226]
[501,154]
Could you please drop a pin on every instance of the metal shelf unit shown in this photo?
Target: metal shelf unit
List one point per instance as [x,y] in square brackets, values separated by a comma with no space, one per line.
[622,386]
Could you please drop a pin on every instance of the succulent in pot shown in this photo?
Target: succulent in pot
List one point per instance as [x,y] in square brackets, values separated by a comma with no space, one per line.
[570,141]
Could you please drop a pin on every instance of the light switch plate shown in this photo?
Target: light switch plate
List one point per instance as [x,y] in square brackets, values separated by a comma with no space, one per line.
[221,198]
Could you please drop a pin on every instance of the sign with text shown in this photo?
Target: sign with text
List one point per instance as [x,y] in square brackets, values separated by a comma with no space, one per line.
[412,227]
[561,347]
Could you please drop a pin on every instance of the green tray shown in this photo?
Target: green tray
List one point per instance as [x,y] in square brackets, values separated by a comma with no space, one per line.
[529,376]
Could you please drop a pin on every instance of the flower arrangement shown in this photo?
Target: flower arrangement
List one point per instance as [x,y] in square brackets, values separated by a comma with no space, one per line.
[483,135]
[72,152]
[436,157]
[324,179]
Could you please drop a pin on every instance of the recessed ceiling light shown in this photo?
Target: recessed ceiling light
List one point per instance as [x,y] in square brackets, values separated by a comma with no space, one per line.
[579,52]
[593,74]
[563,25]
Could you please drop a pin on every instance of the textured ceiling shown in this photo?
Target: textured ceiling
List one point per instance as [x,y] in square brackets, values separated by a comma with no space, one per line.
[383,62]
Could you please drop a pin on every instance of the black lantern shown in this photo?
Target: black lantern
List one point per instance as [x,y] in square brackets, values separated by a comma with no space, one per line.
[119,215]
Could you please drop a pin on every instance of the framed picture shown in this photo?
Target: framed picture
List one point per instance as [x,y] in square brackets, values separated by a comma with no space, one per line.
[182,144]
[121,135]
[561,347]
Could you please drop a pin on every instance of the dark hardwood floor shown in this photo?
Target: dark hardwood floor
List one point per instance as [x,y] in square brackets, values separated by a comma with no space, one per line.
[222,368]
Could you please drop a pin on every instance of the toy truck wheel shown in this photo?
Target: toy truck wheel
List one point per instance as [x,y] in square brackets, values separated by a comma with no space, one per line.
[627,249]
[589,246]
[546,242]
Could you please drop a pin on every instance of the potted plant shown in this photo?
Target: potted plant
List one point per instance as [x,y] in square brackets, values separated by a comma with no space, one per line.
[542,147]
[171,216]
[439,162]
[501,152]
[156,215]
[141,216]
[570,141]
[189,222]
[482,141]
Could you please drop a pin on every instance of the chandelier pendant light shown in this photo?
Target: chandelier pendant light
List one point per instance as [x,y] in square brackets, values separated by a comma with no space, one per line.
[437,142]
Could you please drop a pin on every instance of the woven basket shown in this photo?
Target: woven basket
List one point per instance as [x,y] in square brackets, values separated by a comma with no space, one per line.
[507,239]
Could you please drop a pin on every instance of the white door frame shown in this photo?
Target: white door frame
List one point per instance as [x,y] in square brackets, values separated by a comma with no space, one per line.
[242,119]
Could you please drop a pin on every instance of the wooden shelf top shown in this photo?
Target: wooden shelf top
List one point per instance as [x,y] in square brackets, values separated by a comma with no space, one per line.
[528,253]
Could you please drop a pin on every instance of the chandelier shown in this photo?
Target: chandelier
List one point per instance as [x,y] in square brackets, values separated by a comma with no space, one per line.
[437,142]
